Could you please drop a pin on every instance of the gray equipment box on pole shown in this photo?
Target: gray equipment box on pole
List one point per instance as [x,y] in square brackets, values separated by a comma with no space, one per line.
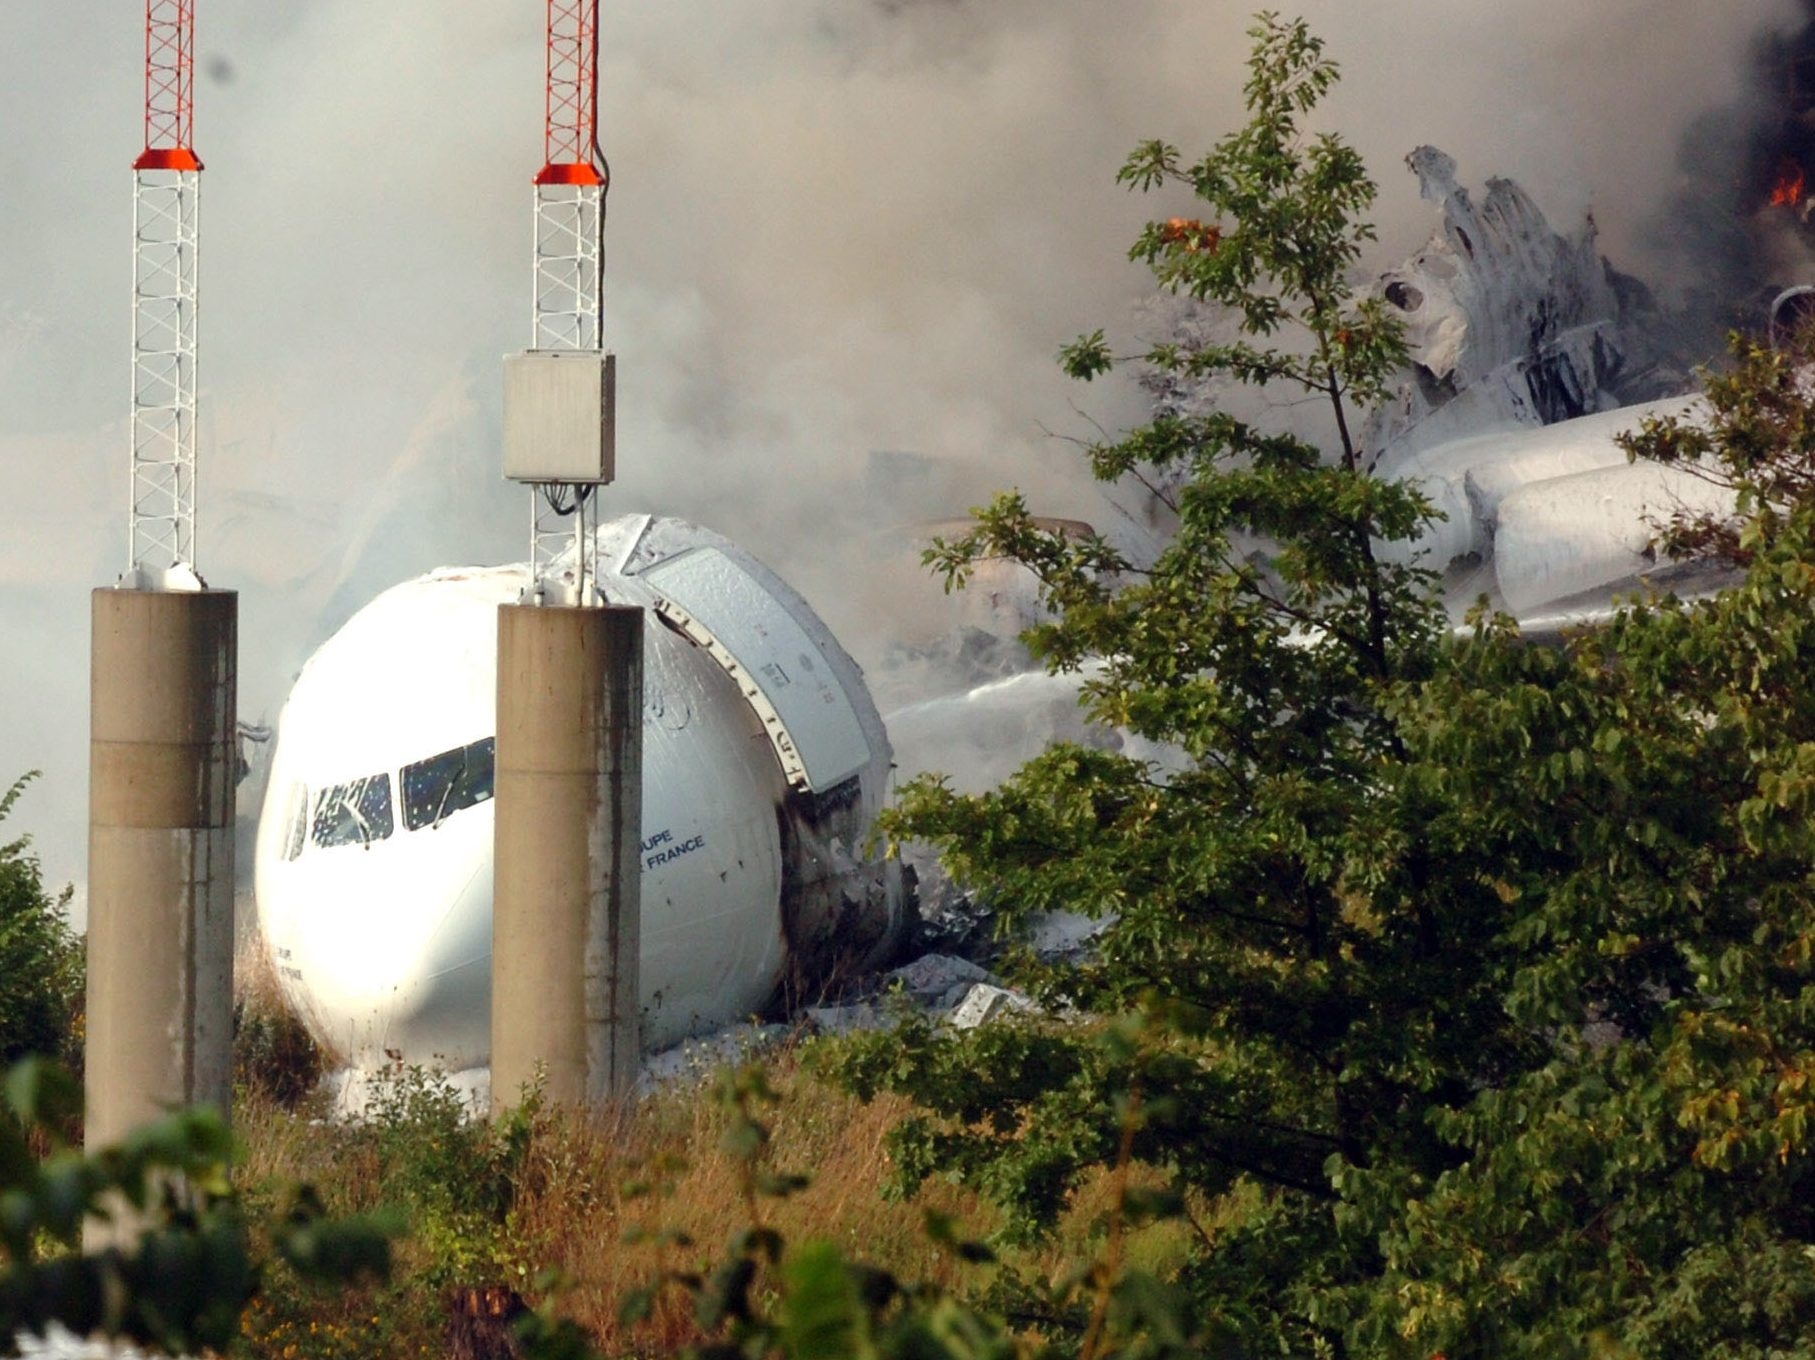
[560,416]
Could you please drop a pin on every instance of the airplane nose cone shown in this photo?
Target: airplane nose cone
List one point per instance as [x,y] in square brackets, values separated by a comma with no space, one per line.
[388,945]
[444,1007]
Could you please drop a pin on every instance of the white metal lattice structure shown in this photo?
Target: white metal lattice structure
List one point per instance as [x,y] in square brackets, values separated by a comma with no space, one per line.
[166,197]
[569,302]
[164,214]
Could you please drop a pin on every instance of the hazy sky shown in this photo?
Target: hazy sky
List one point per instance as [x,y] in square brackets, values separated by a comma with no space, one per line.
[837,226]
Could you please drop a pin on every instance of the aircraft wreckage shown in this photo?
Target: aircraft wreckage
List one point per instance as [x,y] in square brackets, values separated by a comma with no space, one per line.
[765,758]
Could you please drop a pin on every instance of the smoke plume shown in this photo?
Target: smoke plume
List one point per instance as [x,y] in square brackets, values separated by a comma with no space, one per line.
[837,226]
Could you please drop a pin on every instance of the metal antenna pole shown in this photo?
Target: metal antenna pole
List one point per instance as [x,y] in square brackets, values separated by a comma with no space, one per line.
[566,864]
[568,313]
[166,191]
[163,693]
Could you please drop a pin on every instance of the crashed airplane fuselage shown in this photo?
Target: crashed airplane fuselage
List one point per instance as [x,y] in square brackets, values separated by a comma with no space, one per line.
[764,761]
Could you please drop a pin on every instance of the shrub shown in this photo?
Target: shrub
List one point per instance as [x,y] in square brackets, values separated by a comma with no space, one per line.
[41,961]
[458,1176]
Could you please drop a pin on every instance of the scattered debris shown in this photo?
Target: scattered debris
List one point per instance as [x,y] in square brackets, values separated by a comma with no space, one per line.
[1064,934]
[983,1002]
[697,1059]
[930,978]
[857,1018]
[1510,322]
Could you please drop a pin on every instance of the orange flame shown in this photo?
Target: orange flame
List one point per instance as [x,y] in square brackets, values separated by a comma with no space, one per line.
[1791,184]
[1191,234]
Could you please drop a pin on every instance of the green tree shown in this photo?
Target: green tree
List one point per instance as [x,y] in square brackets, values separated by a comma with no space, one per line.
[184,1280]
[1476,979]
[1273,899]
[41,971]
[1646,796]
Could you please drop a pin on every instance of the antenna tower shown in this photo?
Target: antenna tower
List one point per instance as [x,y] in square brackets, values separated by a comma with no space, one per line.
[163,693]
[166,190]
[568,315]
[565,866]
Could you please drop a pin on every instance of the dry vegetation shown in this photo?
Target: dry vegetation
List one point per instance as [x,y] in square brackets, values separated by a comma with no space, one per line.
[491,1208]
[606,1201]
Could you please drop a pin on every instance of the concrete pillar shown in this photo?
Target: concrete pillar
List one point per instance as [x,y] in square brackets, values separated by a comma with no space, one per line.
[566,873]
[163,765]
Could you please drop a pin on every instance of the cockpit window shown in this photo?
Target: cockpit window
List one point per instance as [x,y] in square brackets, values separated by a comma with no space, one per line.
[440,786]
[353,814]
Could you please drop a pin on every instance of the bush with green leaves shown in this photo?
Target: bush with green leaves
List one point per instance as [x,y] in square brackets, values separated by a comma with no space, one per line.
[455,1174]
[41,962]
[188,1267]
[1477,979]
[1644,797]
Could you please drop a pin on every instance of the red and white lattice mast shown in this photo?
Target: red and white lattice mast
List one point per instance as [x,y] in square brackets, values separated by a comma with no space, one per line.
[565,463]
[570,187]
[163,694]
[166,189]
[569,763]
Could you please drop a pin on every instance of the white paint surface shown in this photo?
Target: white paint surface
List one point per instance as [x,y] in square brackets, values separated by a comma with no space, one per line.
[387,943]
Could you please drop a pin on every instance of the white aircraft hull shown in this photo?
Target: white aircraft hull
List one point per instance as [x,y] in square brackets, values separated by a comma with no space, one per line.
[1549,514]
[764,760]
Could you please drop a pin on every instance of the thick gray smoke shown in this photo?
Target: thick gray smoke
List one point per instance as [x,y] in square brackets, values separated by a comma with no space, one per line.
[838,226]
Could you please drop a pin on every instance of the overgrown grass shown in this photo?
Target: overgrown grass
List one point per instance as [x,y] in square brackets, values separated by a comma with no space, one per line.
[609,1202]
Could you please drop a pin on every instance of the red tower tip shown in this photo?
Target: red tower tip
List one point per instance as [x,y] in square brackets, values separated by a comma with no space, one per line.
[569,174]
[167,158]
